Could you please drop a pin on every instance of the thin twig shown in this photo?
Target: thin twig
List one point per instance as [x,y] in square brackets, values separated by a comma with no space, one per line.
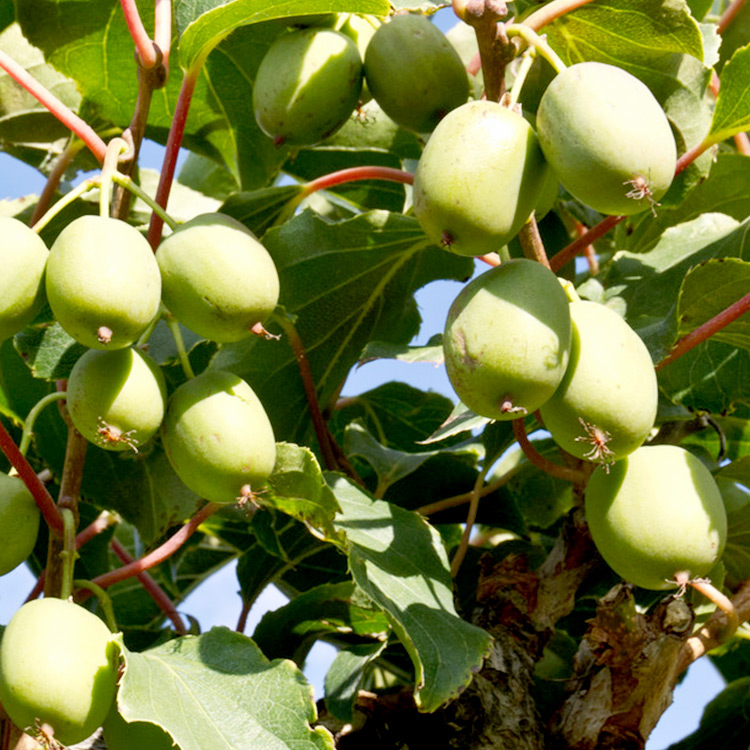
[706,330]
[531,242]
[570,251]
[55,177]
[728,15]
[471,517]
[536,458]
[551,11]
[161,553]
[242,621]
[163,29]
[155,591]
[66,116]
[148,55]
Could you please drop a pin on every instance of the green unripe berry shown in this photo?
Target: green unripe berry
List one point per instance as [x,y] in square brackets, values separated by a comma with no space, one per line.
[116,399]
[606,404]
[607,138]
[414,73]
[657,514]
[479,178]
[58,666]
[218,438]
[217,278]
[103,282]
[507,338]
[19,523]
[23,257]
[307,86]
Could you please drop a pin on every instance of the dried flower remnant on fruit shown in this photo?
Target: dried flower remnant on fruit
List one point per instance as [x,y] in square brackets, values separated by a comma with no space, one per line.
[104,334]
[112,435]
[640,190]
[598,438]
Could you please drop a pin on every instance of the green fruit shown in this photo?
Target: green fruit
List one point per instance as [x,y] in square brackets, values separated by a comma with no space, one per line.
[606,404]
[507,338]
[479,178]
[217,279]
[58,666]
[135,735]
[217,437]
[19,523]
[656,514]
[23,257]
[116,399]
[414,73]
[361,29]
[607,138]
[103,282]
[307,86]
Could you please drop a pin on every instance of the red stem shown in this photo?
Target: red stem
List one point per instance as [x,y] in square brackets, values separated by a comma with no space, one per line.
[353,174]
[163,29]
[708,329]
[143,44]
[68,118]
[569,252]
[728,15]
[174,141]
[536,458]
[161,553]
[156,592]
[42,497]
[242,621]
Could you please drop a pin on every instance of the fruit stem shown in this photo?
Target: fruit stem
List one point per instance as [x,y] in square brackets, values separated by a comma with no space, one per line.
[31,417]
[527,60]
[722,602]
[44,501]
[552,11]
[66,116]
[62,162]
[533,39]
[65,201]
[161,553]
[105,601]
[68,553]
[536,458]
[531,242]
[319,425]
[174,327]
[174,141]
[165,604]
[706,330]
[115,147]
[129,184]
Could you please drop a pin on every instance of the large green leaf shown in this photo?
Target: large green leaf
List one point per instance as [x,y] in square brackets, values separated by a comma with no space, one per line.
[399,561]
[217,690]
[710,288]
[347,283]
[202,25]
[732,111]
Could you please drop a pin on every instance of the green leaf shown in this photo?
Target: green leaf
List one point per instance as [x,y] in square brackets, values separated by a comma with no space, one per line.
[725,723]
[202,25]
[399,561]
[382,350]
[711,377]
[710,288]
[346,675]
[297,487]
[461,420]
[649,282]
[732,110]
[347,283]
[259,210]
[217,690]
[49,351]
[329,611]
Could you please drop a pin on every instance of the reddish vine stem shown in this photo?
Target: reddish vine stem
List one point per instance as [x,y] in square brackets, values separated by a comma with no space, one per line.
[53,181]
[705,331]
[174,141]
[242,621]
[471,517]
[536,458]
[551,11]
[161,553]
[44,500]
[353,174]
[163,29]
[68,118]
[165,604]
[147,53]
[570,251]
[319,425]
[728,15]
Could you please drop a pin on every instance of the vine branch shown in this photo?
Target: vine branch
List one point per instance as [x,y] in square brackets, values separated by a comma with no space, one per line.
[540,461]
